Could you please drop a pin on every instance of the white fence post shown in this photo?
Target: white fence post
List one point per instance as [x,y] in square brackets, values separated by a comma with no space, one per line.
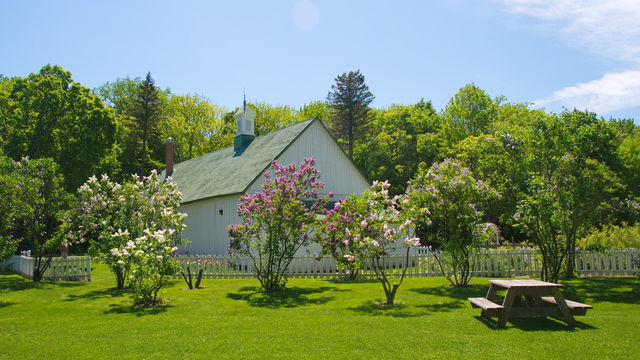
[484,263]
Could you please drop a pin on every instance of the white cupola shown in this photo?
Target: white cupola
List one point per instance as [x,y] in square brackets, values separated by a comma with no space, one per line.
[244,120]
[244,128]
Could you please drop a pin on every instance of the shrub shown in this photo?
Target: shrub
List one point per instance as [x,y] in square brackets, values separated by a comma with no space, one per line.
[276,221]
[369,227]
[448,199]
[133,227]
[612,237]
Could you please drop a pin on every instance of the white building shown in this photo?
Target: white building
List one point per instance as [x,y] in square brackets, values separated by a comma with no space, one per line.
[212,184]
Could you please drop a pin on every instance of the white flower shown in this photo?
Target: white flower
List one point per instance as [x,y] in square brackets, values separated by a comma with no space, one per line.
[411,242]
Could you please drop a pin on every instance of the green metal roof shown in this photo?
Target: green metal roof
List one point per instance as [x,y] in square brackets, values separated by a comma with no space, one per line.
[222,172]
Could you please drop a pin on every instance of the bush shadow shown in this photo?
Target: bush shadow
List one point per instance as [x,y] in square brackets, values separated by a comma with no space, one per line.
[443,307]
[136,310]
[356,281]
[4,304]
[378,308]
[19,283]
[460,293]
[612,289]
[97,294]
[287,298]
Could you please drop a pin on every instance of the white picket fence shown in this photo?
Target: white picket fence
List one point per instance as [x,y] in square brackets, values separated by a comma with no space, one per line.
[486,263]
[71,268]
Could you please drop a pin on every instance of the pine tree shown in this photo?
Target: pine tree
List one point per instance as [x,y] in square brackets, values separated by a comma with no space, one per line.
[349,99]
[146,112]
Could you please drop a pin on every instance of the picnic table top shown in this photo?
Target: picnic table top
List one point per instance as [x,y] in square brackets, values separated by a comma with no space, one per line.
[508,284]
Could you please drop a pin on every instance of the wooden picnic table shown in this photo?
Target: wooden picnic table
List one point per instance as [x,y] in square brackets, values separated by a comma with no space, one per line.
[528,298]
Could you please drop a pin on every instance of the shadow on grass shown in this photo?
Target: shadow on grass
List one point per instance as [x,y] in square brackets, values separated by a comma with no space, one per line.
[4,304]
[378,308]
[356,281]
[443,307]
[613,289]
[288,297]
[460,293]
[137,310]
[98,294]
[17,283]
[535,324]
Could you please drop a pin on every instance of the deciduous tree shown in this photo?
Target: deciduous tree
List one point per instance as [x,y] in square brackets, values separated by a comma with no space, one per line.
[48,115]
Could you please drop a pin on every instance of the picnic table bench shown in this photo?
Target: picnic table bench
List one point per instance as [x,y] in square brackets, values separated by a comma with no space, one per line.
[526,298]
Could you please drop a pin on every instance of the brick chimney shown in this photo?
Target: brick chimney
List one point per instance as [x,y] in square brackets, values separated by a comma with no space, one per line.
[169,157]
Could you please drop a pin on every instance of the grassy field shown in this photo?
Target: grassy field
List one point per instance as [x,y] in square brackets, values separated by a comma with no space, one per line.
[313,319]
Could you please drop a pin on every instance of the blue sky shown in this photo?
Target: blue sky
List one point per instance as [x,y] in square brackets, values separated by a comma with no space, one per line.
[583,54]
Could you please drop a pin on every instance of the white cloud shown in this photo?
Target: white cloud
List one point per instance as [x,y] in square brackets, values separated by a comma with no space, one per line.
[612,92]
[305,15]
[608,28]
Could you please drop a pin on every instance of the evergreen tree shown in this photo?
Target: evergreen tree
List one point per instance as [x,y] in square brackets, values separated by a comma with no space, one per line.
[349,99]
[147,112]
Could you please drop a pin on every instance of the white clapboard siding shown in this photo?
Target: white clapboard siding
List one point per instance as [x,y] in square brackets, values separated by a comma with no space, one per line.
[485,263]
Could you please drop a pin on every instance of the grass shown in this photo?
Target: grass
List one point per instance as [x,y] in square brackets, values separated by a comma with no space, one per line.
[312,319]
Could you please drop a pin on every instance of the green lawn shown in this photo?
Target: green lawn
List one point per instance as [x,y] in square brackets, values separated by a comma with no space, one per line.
[314,319]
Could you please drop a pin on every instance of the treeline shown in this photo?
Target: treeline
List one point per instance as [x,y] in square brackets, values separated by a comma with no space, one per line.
[120,128]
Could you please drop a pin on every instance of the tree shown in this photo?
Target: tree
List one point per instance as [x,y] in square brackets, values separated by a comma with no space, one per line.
[629,153]
[316,109]
[147,112]
[559,209]
[349,99]
[499,159]
[270,118]
[12,206]
[48,115]
[276,222]
[119,221]
[471,110]
[191,120]
[401,138]
[448,200]
[34,201]
[367,230]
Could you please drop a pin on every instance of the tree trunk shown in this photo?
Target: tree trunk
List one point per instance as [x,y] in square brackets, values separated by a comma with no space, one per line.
[120,278]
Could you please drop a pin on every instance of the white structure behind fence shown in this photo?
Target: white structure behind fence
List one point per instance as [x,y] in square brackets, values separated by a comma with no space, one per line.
[486,263]
[71,268]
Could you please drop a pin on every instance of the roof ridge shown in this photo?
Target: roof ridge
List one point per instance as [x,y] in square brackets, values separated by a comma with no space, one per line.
[261,137]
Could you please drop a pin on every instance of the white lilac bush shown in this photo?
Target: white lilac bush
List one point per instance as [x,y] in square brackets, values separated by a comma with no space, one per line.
[133,227]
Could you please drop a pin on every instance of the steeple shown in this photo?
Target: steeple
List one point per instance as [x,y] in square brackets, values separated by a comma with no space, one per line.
[244,127]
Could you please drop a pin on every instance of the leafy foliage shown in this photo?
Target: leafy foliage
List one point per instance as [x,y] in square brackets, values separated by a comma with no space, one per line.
[446,200]
[194,123]
[34,199]
[276,221]
[402,137]
[612,237]
[129,225]
[48,115]
[364,231]
[556,211]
